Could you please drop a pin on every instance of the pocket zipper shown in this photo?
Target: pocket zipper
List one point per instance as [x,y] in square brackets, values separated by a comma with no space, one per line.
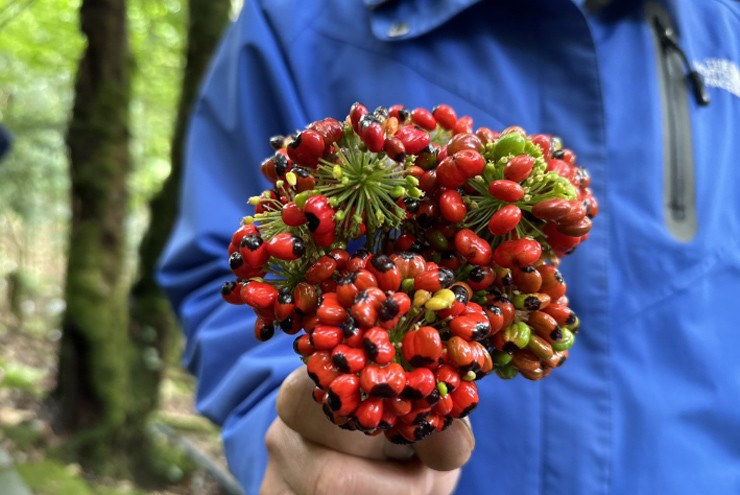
[674,72]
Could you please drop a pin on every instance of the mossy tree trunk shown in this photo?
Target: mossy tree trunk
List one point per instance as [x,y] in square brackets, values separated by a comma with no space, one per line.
[114,340]
[93,386]
[152,326]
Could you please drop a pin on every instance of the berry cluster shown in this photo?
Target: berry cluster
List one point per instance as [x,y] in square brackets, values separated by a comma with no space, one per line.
[458,277]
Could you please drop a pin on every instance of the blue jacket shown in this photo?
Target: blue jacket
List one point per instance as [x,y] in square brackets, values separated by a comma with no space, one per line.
[649,399]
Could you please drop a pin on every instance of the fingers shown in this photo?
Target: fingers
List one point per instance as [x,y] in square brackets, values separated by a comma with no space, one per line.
[301,413]
[448,449]
[443,451]
[301,467]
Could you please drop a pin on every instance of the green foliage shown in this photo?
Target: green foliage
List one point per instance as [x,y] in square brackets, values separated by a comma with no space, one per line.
[157,39]
[50,477]
[40,47]
[21,377]
[24,436]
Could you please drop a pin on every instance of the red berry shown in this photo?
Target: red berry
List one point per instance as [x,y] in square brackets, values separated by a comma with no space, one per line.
[372,134]
[321,369]
[259,295]
[551,209]
[330,129]
[517,252]
[481,277]
[253,250]
[452,206]
[330,311]
[470,327]
[263,329]
[506,190]
[284,305]
[378,345]
[369,414]
[306,148]
[414,139]
[433,279]
[505,220]
[383,381]
[386,272]
[464,399]
[424,119]
[464,141]
[292,215]
[422,347]
[348,359]
[343,395]
[463,125]
[321,270]
[473,248]
[445,116]
[355,114]
[326,337]
[320,215]
[420,382]
[519,168]
[469,162]
[286,246]
[305,298]
[231,292]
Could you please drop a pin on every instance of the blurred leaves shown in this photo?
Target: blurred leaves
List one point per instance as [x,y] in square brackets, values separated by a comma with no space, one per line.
[40,45]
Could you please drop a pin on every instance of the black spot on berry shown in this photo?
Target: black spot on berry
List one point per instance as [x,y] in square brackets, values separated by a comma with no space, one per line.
[251,242]
[382,263]
[382,390]
[313,221]
[236,260]
[446,277]
[334,401]
[281,164]
[388,310]
[298,246]
[340,361]
[228,287]
[285,297]
[461,294]
[277,141]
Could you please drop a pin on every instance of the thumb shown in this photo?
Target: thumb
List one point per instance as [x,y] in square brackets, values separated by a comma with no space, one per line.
[448,449]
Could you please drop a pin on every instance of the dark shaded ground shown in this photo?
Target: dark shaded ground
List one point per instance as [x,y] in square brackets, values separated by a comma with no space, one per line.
[27,361]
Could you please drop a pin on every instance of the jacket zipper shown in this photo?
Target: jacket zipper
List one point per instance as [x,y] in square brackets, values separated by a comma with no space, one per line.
[676,76]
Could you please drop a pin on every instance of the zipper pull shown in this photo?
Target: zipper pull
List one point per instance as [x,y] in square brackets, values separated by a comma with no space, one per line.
[696,81]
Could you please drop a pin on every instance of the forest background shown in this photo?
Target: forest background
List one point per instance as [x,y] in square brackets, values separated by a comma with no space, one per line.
[96,94]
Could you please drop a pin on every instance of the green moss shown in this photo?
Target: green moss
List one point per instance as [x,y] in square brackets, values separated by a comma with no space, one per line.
[53,478]
[21,377]
[23,436]
[50,477]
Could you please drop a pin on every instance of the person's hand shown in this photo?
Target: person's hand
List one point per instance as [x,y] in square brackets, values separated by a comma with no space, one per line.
[307,455]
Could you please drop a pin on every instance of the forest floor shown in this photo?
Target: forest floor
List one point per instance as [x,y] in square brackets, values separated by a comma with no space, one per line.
[27,371]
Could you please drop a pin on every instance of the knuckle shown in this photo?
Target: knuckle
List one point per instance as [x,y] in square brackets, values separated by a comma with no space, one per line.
[273,437]
[288,398]
[330,480]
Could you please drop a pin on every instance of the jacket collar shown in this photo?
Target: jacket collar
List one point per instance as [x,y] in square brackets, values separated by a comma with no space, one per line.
[406,19]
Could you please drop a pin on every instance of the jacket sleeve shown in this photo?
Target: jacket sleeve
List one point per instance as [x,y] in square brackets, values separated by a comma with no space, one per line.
[246,97]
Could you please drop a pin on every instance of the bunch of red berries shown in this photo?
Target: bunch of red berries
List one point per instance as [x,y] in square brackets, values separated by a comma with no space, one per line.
[458,277]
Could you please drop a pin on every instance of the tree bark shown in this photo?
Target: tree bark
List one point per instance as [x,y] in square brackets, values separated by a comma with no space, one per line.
[93,380]
[152,327]
[114,340]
